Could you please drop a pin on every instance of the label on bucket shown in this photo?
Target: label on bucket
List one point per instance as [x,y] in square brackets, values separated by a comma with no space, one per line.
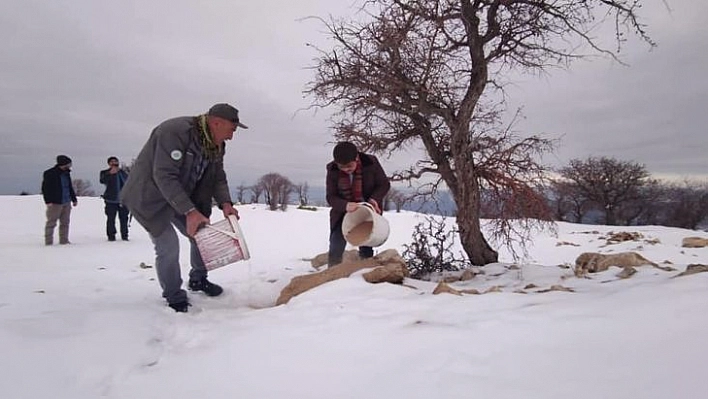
[221,244]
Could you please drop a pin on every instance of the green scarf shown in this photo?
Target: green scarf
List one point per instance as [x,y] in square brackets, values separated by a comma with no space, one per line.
[209,149]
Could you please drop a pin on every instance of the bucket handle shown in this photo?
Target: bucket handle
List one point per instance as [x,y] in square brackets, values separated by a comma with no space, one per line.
[368,205]
[228,233]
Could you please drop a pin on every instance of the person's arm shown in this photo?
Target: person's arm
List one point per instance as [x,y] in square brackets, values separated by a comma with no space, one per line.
[332,195]
[45,187]
[102,176]
[71,191]
[221,185]
[222,194]
[381,183]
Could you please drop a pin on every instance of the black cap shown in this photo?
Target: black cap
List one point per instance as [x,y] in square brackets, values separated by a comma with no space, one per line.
[225,111]
[63,160]
[112,158]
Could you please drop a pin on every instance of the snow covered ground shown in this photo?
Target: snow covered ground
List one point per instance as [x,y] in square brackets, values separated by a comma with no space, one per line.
[86,321]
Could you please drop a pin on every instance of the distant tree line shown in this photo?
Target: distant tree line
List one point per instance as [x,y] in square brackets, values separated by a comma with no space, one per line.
[278,191]
[614,192]
[595,190]
[598,190]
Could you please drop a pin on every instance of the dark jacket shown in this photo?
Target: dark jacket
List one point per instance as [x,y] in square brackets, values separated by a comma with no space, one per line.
[111,181]
[51,186]
[162,181]
[375,185]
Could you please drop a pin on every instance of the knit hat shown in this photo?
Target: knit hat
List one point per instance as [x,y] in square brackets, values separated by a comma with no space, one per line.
[63,160]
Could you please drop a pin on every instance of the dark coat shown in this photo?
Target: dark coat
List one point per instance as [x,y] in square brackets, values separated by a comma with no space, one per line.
[51,186]
[375,185]
[162,183]
[111,181]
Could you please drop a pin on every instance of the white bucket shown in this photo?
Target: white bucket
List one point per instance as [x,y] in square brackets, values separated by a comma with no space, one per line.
[221,243]
[365,227]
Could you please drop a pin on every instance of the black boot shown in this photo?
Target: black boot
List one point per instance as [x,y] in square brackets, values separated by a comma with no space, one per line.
[210,289]
[180,307]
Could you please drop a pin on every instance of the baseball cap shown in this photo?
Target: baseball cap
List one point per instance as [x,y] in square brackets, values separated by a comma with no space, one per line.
[226,111]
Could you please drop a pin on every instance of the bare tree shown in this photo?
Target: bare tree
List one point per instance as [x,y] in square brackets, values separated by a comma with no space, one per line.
[276,189]
[647,201]
[608,182]
[302,190]
[127,167]
[398,198]
[241,193]
[687,204]
[284,196]
[567,202]
[418,72]
[256,192]
[656,203]
[82,188]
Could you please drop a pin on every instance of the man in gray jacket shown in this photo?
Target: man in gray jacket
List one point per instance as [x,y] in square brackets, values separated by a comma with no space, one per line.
[172,183]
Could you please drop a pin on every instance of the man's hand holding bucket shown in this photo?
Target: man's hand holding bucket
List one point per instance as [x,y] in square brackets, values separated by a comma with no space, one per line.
[195,220]
[229,209]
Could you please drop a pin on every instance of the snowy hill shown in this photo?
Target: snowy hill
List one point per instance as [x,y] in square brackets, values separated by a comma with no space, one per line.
[86,320]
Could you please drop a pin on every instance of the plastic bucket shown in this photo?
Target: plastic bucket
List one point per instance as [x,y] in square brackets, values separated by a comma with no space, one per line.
[365,227]
[221,243]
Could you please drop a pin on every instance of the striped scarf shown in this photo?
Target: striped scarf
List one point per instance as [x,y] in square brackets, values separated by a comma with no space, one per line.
[210,150]
[351,189]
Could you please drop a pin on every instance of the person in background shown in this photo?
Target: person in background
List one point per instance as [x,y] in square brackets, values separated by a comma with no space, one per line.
[352,177]
[114,179]
[173,181]
[58,193]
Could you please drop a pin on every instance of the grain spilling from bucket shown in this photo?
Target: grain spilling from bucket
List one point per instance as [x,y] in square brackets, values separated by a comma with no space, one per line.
[360,233]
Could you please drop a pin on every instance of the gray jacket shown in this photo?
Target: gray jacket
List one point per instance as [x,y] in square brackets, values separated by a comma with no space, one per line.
[163,180]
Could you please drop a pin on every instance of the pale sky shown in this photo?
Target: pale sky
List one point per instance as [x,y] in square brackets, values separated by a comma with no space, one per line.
[91,79]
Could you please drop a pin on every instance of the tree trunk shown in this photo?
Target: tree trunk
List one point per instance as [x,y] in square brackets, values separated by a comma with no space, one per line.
[610,218]
[467,199]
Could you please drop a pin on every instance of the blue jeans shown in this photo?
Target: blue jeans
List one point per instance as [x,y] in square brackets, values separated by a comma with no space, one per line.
[337,244]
